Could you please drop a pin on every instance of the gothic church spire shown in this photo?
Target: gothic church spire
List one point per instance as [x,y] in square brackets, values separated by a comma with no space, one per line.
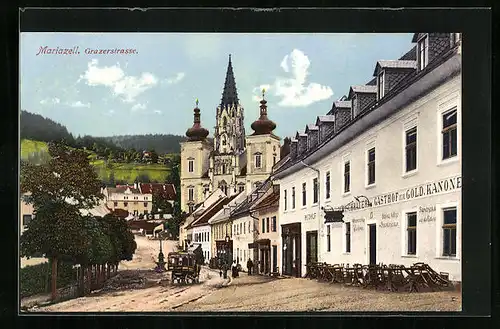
[229,94]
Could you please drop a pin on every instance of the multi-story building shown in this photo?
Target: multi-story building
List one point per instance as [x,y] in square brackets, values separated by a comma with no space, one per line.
[391,166]
[129,198]
[221,227]
[234,162]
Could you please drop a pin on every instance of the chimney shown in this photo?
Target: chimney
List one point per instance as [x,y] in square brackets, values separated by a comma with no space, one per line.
[361,97]
[285,149]
[293,148]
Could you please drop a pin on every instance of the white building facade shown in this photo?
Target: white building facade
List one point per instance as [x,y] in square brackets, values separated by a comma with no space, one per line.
[201,235]
[393,168]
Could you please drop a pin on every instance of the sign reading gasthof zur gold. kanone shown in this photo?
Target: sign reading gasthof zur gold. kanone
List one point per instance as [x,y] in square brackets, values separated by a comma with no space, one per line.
[422,190]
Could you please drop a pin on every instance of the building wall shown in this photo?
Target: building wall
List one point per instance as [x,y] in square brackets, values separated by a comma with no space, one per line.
[218,232]
[199,152]
[135,202]
[27,209]
[275,237]
[269,147]
[242,234]
[388,140]
[205,241]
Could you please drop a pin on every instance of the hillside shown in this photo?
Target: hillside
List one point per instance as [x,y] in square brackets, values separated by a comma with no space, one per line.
[108,171]
[36,127]
[162,144]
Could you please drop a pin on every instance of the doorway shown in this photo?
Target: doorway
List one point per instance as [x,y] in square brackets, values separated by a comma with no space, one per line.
[372,242]
[275,259]
[311,247]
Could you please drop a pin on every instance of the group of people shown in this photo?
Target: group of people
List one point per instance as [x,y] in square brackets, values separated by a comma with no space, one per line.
[235,269]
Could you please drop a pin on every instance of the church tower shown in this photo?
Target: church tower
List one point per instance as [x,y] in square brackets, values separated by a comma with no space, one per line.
[229,136]
[195,154]
[263,148]
[228,157]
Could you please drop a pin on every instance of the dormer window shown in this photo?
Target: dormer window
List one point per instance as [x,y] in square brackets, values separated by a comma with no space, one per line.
[381,84]
[258,160]
[423,52]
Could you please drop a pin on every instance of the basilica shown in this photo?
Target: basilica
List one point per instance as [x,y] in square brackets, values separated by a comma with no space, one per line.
[231,160]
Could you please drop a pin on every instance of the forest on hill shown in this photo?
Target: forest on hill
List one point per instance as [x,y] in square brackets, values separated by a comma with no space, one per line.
[162,144]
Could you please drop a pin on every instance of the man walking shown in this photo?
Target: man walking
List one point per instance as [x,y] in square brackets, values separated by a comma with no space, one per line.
[249,266]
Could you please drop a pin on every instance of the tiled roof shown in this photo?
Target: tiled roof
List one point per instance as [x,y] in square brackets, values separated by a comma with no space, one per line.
[223,215]
[211,211]
[311,126]
[167,189]
[252,198]
[272,200]
[121,213]
[410,55]
[325,118]
[122,189]
[364,89]
[395,64]
[343,104]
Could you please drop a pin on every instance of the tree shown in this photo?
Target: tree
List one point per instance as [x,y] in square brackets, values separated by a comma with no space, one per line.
[154,156]
[161,205]
[178,216]
[143,178]
[112,181]
[59,189]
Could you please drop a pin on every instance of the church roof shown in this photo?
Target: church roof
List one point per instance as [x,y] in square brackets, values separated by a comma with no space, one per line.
[229,94]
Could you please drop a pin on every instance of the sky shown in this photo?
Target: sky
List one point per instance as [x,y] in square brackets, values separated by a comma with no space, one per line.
[154,90]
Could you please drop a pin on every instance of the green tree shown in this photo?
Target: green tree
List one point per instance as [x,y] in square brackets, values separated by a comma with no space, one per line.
[173,224]
[59,189]
[154,156]
[161,205]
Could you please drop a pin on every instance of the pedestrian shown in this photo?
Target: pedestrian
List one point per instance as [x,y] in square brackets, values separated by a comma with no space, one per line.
[249,266]
[234,270]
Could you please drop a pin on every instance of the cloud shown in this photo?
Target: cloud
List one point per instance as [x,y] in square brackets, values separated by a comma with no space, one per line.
[257,91]
[54,100]
[113,77]
[109,113]
[157,111]
[178,77]
[79,104]
[295,91]
[139,106]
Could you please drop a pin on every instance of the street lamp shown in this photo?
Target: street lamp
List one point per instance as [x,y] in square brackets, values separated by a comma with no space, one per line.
[160,265]
[226,255]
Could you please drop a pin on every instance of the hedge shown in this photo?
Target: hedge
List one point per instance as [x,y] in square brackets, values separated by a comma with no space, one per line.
[36,279]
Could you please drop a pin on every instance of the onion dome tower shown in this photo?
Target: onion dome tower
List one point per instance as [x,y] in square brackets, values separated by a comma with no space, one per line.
[263,125]
[196,132]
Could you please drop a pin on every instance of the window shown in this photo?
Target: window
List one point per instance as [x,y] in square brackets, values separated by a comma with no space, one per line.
[191,208]
[411,228]
[347,176]
[327,185]
[244,229]
[191,165]
[223,168]
[26,220]
[328,238]
[449,134]
[145,204]
[267,225]
[249,227]
[450,231]
[347,237]
[285,203]
[145,211]
[263,225]
[371,166]
[411,149]
[125,204]
[423,54]
[125,197]
[258,160]
[381,85]
[224,140]
[274,159]
[241,188]
[304,194]
[115,204]
[293,197]
[190,194]
[315,190]
[273,224]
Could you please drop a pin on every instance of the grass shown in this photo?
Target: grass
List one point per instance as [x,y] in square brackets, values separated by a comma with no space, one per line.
[122,171]
[29,147]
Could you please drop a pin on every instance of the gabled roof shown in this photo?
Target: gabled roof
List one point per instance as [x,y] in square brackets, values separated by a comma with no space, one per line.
[211,211]
[324,118]
[394,64]
[253,198]
[122,189]
[342,104]
[225,212]
[363,89]
[310,126]
[410,55]
[167,189]
[271,200]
